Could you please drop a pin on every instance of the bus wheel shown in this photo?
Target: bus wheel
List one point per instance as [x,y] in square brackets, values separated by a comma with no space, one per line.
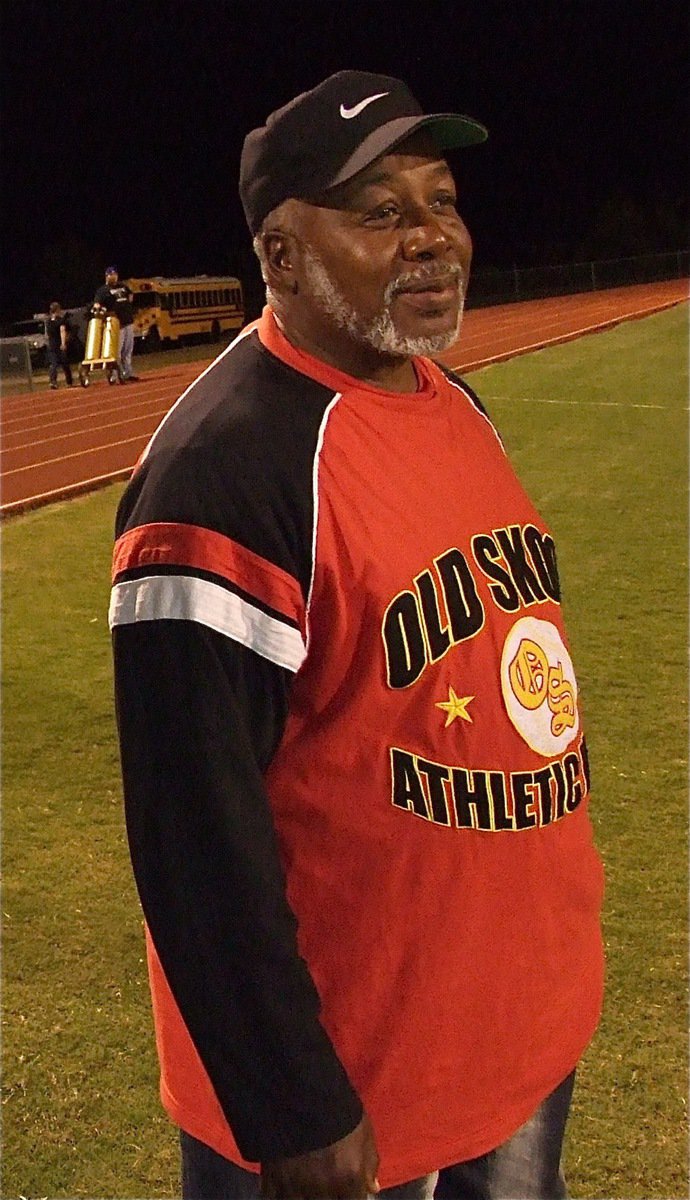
[215,332]
[153,339]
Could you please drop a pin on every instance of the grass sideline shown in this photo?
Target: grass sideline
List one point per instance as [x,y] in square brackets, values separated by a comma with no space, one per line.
[597,429]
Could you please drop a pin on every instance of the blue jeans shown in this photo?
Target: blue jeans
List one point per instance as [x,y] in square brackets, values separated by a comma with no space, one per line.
[58,358]
[125,350]
[526,1167]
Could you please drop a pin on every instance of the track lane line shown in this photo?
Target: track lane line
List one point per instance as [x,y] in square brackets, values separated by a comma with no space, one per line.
[77,433]
[49,462]
[531,317]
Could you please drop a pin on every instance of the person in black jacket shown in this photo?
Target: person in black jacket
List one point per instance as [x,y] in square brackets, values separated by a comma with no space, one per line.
[58,331]
[116,298]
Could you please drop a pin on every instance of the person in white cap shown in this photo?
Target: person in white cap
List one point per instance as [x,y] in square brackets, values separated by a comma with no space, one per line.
[355,776]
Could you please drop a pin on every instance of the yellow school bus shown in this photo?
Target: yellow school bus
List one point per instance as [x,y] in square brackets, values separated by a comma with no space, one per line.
[168,310]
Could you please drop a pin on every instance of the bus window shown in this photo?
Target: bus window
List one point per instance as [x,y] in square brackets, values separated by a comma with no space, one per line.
[147,300]
[215,306]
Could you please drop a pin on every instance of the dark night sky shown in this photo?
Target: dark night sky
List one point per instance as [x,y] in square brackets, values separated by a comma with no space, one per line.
[123,123]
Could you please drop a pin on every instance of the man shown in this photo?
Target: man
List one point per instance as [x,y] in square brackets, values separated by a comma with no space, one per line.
[116,298]
[355,778]
[57,333]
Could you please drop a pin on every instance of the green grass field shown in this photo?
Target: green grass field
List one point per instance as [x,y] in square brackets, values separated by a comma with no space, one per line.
[597,429]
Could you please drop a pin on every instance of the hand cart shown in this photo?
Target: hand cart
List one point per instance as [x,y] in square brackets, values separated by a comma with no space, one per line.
[102,345]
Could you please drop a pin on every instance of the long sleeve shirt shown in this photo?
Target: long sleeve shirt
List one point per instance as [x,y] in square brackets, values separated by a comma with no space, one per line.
[355,774]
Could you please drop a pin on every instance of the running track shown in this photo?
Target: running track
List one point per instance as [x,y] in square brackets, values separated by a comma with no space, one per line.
[56,445]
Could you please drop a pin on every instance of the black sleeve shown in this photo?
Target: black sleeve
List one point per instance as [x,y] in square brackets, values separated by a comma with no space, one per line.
[199,719]
[104,297]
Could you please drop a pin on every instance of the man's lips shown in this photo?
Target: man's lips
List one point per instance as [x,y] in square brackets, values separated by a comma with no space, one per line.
[448,283]
[431,296]
[433,288]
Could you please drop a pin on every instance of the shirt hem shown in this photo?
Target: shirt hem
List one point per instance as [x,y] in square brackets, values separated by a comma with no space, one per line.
[487,1137]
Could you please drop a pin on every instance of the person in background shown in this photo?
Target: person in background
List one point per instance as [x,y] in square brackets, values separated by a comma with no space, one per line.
[57,332]
[356,781]
[116,298]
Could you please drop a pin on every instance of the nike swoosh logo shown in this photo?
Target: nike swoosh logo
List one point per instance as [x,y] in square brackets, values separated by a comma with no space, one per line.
[349,113]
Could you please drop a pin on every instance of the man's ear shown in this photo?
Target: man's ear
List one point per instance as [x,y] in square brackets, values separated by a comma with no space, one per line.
[279,250]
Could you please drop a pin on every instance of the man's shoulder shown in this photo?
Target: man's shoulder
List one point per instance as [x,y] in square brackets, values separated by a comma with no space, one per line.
[235,455]
[246,418]
[461,385]
[248,389]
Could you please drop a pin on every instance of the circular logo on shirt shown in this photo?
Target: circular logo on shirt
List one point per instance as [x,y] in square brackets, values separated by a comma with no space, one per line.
[539,686]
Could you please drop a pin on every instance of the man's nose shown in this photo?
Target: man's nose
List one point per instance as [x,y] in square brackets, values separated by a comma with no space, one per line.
[425,238]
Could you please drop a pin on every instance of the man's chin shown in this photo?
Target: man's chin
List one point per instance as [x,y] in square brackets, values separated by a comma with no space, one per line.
[407,342]
[435,329]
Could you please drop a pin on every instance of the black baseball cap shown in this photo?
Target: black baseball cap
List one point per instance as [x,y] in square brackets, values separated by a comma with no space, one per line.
[325,136]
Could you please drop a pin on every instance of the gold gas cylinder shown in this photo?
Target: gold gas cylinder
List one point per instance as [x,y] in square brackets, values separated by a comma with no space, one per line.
[111,338]
[94,337]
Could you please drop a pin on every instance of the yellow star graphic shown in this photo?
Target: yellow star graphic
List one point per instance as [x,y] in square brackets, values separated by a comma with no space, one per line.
[455,706]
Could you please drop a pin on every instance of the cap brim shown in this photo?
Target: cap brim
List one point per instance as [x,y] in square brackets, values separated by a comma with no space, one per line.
[450,131]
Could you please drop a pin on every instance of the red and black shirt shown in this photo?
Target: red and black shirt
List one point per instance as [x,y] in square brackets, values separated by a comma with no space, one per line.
[355,776]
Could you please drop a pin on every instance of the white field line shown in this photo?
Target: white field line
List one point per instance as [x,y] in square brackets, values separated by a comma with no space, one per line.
[579,403]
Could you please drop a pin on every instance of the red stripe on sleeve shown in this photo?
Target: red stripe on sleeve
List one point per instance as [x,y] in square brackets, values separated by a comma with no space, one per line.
[170,544]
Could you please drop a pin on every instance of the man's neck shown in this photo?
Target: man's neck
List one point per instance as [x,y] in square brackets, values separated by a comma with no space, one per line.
[386,371]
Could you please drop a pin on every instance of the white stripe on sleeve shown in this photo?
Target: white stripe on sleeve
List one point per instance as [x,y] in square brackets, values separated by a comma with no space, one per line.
[188,598]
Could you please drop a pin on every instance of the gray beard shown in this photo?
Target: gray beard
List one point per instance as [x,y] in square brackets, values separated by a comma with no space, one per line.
[381,333]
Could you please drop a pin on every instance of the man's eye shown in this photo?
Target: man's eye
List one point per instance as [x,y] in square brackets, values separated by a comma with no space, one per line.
[445,200]
[383,213]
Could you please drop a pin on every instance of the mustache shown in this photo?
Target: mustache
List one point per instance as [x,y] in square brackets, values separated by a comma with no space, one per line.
[427,273]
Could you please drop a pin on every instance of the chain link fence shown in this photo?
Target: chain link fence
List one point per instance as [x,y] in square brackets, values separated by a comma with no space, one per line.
[15,365]
[493,286]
